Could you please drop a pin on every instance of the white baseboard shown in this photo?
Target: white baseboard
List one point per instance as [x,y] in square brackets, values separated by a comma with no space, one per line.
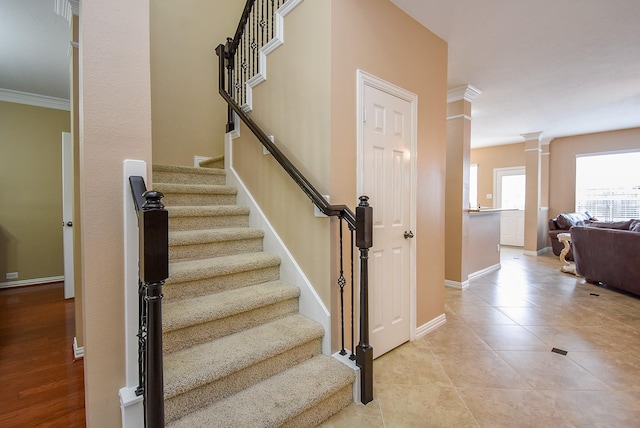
[33,281]
[484,271]
[78,351]
[456,284]
[536,253]
[427,328]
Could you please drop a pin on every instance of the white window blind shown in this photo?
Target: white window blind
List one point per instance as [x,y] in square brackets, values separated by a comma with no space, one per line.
[608,185]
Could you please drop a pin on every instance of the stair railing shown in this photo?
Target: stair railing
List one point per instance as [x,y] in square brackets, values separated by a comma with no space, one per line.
[153,226]
[239,61]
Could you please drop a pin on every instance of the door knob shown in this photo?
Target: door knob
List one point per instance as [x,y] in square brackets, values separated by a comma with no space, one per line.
[69,224]
[408,234]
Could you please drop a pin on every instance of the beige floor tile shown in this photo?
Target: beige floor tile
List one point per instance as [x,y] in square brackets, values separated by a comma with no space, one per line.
[597,409]
[512,408]
[483,315]
[509,338]
[357,415]
[410,364]
[620,370]
[455,335]
[482,369]
[413,406]
[548,370]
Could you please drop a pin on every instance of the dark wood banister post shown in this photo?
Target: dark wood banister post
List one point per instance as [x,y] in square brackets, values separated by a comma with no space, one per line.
[364,350]
[154,270]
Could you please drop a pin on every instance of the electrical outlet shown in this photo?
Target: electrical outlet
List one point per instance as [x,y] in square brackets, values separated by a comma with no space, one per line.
[12,275]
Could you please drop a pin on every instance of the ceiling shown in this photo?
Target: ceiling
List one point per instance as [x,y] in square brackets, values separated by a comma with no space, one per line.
[34,48]
[558,67]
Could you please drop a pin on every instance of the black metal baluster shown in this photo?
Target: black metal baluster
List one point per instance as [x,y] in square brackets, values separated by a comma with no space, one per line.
[341,283]
[353,302]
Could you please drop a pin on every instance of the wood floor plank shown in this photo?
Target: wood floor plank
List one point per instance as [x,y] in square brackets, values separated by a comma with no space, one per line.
[41,383]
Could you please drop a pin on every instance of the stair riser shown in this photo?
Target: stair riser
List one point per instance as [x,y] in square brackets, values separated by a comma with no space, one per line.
[186,178]
[214,222]
[180,290]
[198,199]
[194,399]
[214,249]
[197,334]
[323,410]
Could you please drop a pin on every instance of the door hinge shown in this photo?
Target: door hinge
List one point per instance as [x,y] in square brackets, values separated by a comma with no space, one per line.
[364,114]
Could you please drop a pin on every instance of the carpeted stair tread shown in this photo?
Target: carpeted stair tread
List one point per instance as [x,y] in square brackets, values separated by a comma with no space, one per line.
[207,211]
[187,312]
[193,237]
[188,169]
[273,402]
[215,162]
[205,363]
[198,189]
[192,270]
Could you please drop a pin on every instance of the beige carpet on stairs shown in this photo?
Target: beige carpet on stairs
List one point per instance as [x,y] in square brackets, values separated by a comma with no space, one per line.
[236,351]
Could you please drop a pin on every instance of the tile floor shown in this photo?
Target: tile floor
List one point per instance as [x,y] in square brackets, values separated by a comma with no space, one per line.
[491,364]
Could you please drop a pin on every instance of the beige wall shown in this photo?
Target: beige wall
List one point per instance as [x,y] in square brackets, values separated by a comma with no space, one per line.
[377,37]
[562,163]
[31,191]
[489,158]
[115,124]
[484,238]
[189,116]
[294,106]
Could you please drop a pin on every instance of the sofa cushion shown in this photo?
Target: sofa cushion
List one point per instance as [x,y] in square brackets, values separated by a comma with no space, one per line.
[620,225]
[635,227]
[567,220]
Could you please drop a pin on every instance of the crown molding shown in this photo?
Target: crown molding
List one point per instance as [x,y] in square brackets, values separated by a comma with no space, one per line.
[531,136]
[464,92]
[34,100]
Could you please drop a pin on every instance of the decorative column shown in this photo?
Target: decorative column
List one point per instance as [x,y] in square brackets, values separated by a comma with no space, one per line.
[532,213]
[457,183]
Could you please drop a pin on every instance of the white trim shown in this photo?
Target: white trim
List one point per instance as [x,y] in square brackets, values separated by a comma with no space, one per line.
[365,79]
[34,281]
[458,116]
[535,149]
[455,284]
[269,47]
[130,168]
[464,92]
[344,359]
[432,325]
[310,303]
[535,253]
[34,100]
[131,409]
[532,136]
[78,351]
[484,271]
[198,159]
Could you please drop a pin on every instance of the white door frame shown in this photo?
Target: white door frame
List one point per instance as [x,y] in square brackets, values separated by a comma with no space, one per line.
[497,184]
[366,79]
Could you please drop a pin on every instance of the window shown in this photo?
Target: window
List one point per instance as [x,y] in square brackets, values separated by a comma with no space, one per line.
[608,185]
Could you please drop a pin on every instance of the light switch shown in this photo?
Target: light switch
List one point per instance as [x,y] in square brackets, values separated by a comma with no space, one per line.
[489,196]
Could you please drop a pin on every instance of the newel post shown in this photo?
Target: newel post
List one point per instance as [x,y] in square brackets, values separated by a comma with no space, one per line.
[154,270]
[364,350]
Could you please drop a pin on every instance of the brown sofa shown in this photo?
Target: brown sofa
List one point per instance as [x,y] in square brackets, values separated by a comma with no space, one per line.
[561,224]
[609,253]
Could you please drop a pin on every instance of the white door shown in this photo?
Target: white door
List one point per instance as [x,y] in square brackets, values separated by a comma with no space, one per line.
[510,195]
[386,179]
[67,213]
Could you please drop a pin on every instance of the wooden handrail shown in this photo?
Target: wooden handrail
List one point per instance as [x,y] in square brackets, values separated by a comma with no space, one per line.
[326,208]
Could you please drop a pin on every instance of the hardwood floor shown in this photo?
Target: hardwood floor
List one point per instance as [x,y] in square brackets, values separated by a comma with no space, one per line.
[40,383]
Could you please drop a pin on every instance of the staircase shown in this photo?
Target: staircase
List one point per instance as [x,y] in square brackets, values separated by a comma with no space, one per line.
[236,351]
